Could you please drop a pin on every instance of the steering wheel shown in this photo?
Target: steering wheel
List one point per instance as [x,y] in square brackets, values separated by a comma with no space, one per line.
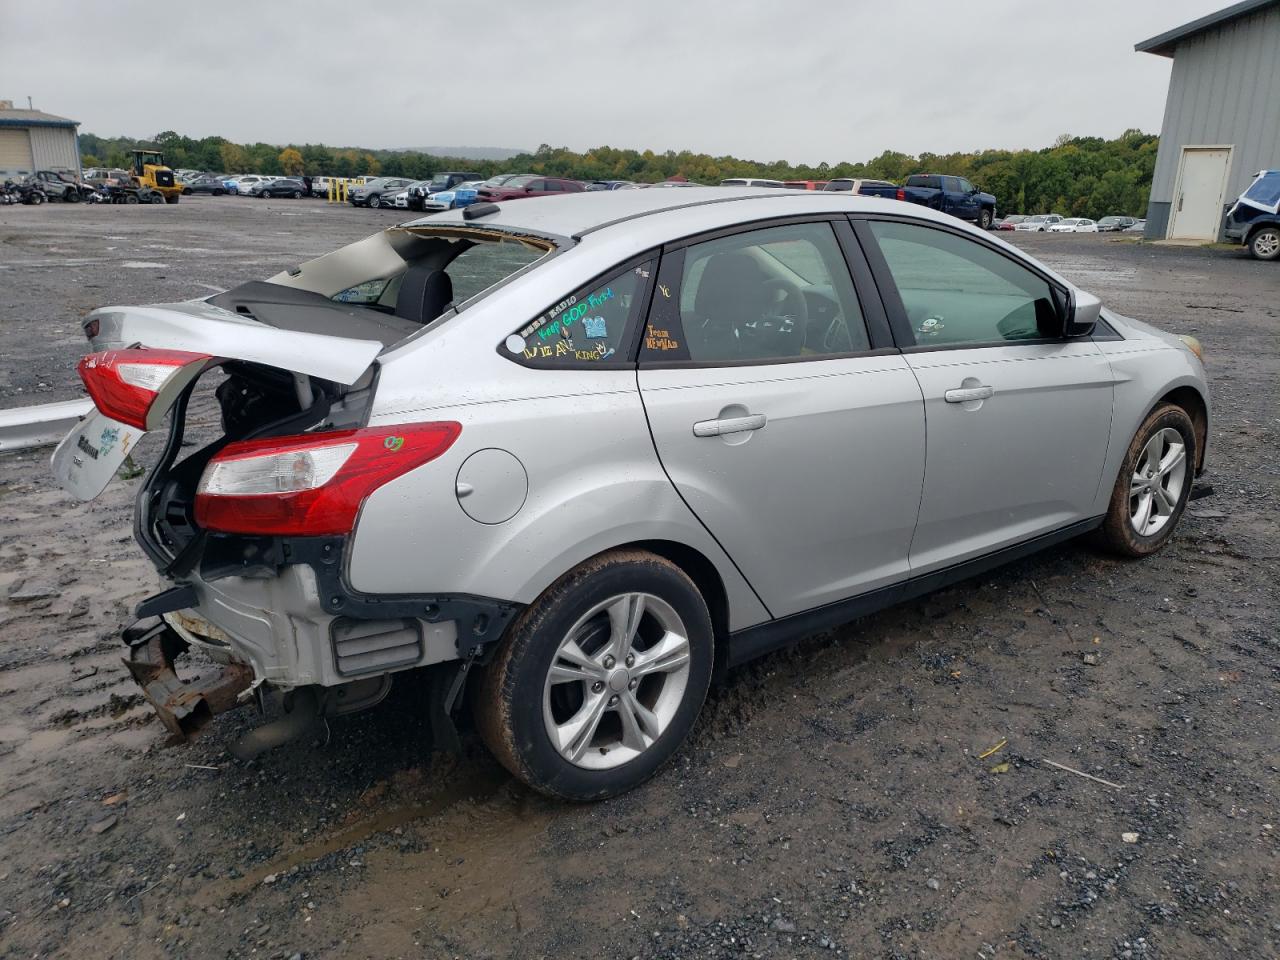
[783,322]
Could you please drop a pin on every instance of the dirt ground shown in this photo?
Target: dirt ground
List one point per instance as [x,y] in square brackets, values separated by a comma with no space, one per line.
[836,799]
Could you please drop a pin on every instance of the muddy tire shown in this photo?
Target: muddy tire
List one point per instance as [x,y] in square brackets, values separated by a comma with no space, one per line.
[599,681]
[1154,484]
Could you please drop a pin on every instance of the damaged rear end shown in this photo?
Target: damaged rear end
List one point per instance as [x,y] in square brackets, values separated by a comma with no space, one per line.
[250,504]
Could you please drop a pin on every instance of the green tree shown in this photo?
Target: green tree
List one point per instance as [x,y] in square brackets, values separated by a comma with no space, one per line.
[234,158]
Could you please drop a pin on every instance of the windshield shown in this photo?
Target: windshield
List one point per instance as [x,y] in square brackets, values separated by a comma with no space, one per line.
[1265,191]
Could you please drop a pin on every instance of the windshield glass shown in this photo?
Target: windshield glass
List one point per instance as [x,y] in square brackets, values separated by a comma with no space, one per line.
[1265,191]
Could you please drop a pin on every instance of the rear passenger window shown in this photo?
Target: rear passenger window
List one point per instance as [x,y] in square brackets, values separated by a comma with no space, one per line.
[591,326]
[773,294]
[958,291]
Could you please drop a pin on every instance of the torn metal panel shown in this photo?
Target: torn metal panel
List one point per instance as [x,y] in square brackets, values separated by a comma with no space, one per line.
[185,708]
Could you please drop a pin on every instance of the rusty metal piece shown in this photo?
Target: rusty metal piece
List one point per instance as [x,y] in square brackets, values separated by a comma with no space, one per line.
[185,708]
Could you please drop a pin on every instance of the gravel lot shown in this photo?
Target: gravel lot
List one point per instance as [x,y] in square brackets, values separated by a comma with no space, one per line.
[834,800]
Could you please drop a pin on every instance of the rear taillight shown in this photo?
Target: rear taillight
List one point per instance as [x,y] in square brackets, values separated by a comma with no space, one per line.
[902,194]
[312,484]
[125,384]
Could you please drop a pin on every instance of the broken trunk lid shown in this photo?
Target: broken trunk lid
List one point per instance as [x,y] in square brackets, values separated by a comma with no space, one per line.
[202,327]
[88,457]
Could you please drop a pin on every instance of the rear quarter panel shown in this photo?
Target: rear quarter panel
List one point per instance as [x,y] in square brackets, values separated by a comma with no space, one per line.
[581,436]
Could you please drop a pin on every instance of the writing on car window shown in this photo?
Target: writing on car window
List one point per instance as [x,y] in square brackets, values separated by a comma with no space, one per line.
[587,327]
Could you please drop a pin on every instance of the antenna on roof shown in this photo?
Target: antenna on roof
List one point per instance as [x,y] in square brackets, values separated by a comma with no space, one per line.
[29,106]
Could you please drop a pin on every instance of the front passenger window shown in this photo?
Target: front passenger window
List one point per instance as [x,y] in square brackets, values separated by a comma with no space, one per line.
[959,291]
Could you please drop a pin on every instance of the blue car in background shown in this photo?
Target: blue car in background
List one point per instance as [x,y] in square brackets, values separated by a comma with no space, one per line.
[463,195]
[1254,220]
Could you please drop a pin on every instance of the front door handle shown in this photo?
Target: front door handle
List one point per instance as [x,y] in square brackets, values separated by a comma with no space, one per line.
[719,428]
[965,394]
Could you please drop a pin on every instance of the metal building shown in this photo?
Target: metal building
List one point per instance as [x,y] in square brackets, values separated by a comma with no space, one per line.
[32,140]
[1221,119]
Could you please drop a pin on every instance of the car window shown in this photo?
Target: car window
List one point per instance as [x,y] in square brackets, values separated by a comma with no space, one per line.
[592,325]
[771,294]
[479,267]
[958,291]
[964,185]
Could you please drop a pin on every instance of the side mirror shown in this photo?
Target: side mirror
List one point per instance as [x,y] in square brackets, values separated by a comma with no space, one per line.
[1083,310]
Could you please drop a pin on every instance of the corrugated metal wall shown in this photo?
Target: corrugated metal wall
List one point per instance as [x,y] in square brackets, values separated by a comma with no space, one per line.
[54,148]
[1224,89]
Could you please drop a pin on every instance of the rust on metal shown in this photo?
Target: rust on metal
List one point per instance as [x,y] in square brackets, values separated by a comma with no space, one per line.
[184,707]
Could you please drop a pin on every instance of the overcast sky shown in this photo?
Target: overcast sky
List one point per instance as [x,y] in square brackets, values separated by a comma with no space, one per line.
[798,81]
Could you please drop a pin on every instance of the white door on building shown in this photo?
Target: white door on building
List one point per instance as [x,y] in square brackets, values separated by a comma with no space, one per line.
[1197,206]
[15,152]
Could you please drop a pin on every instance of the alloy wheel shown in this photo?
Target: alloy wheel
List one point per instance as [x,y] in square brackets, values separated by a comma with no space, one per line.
[1267,244]
[616,681]
[1156,485]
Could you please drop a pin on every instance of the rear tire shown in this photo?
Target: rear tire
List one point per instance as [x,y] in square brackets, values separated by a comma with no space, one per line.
[599,681]
[1154,484]
[1265,244]
[375,202]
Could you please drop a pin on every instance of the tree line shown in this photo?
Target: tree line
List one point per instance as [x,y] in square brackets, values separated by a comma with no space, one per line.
[1077,176]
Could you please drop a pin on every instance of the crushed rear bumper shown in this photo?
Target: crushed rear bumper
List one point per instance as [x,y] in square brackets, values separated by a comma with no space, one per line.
[184,707]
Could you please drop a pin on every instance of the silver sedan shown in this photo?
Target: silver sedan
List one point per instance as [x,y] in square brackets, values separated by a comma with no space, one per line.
[573,457]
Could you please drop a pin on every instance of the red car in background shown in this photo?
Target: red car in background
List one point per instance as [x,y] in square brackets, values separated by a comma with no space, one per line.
[528,185]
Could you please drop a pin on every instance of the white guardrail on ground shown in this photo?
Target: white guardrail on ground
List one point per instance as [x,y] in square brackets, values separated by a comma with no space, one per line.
[37,426]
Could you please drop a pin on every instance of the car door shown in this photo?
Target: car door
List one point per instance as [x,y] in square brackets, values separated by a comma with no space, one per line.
[781,412]
[1018,417]
[966,200]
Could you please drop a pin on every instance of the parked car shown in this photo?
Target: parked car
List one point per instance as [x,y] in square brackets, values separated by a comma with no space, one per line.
[862,187]
[461,195]
[1008,222]
[805,184]
[1139,226]
[953,195]
[211,185]
[751,182]
[530,185]
[1254,219]
[1115,224]
[378,192]
[279,187]
[245,183]
[1074,225]
[409,197]
[1038,223]
[57,185]
[610,185]
[432,468]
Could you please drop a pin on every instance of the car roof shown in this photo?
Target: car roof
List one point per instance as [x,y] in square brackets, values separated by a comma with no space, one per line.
[577,214]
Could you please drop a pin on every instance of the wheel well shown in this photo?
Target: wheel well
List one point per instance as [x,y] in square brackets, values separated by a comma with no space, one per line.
[705,577]
[1189,399]
[1261,225]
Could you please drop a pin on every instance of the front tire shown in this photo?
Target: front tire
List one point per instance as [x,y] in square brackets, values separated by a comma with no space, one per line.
[600,680]
[984,219]
[1265,244]
[1154,484]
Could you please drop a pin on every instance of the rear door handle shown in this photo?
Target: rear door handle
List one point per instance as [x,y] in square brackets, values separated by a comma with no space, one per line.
[718,428]
[965,394]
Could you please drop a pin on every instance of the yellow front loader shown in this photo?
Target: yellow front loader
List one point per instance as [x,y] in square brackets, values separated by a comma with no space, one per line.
[149,170]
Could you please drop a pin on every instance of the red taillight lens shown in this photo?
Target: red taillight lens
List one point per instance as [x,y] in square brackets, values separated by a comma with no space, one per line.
[313,484]
[125,383]
[902,194]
